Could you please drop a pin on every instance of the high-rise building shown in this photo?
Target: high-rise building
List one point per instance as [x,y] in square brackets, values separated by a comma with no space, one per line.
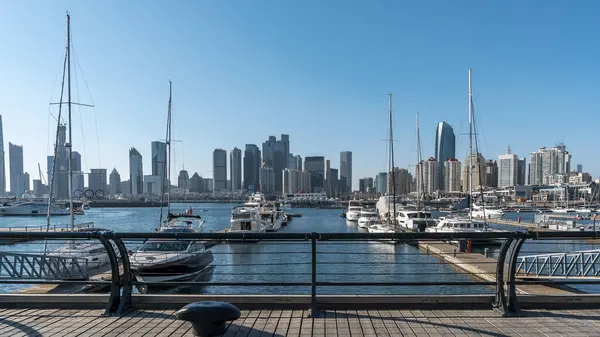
[125,187]
[478,172]
[78,183]
[183,180]
[159,162]
[315,165]
[76,161]
[38,188]
[136,172]
[579,166]
[452,175]
[197,183]
[26,181]
[402,181]
[521,171]
[346,171]
[235,169]
[298,162]
[208,185]
[549,165]
[275,153]
[427,176]
[381,183]
[267,179]
[153,185]
[491,173]
[114,186]
[365,185]
[291,162]
[219,170]
[97,181]
[292,181]
[15,154]
[445,143]
[507,169]
[252,164]
[2,162]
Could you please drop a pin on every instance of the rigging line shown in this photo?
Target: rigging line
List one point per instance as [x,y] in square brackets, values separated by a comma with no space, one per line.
[60,64]
[479,166]
[54,160]
[84,140]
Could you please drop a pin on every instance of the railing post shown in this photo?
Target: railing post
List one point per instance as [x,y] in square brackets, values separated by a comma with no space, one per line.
[125,302]
[512,303]
[313,283]
[115,291]
[500,302]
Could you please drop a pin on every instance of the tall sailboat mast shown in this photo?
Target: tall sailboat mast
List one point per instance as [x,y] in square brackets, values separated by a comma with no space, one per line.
[391,160]
[69,145]
[419,167]
[169,151]
[470,172]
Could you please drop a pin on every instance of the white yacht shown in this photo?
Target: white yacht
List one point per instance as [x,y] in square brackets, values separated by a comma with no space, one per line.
[367,217]
[563,210]
[480,212]
[170,260]
[354,208]
[380,228]
[246,219]
[416,221]
[34,208]
[270,216]
[462,225]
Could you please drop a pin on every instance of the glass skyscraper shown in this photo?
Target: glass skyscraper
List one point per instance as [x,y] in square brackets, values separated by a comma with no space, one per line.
[445,143]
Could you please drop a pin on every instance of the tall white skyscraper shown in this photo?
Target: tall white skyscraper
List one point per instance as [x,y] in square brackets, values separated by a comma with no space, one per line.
[2,164]
[17,184]
[507,169]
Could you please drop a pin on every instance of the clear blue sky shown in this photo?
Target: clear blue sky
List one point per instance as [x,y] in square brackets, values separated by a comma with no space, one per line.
[317,70]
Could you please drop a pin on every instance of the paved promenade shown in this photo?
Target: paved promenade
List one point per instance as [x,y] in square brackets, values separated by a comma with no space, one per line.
[52,322]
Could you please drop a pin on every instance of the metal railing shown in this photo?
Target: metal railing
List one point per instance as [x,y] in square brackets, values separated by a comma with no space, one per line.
[583,264]
[331,270]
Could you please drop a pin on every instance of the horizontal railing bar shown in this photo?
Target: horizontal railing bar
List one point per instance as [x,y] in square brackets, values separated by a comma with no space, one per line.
[38,281]
[318,283]
[254,284]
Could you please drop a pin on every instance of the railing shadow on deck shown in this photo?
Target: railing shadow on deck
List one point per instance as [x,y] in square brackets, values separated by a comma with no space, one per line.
[320,267]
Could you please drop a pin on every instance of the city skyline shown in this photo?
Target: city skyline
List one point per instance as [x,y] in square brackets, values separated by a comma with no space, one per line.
[342,84]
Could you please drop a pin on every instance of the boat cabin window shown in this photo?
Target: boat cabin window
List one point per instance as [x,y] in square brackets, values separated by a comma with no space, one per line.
[164,246]
[197,247]
[237,216]
[246,226]
[97,251]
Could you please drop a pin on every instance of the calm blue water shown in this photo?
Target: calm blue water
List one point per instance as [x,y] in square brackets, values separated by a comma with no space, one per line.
[290,261]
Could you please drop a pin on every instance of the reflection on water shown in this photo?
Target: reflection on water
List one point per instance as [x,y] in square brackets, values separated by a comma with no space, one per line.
[290,261]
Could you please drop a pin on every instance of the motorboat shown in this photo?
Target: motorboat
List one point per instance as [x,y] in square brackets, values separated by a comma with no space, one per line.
[487,212]
[562,210]
[464,225]
[367,217]
[354,208]
[170,260]
[380,228]
[271,217]
[246,219]
[183,220]
[33,208]
[416,221]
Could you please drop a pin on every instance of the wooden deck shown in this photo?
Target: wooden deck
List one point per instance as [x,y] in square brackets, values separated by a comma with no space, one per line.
[30,322]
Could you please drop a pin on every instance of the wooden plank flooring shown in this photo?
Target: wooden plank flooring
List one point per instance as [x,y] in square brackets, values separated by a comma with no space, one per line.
[258,323]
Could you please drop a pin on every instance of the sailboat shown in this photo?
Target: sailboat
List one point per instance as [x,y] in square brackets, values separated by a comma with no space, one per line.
[462,224]
[416,220]
[387,224]
[93,252]
[164,260]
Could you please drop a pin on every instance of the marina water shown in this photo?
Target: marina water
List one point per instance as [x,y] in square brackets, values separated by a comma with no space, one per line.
[280,262]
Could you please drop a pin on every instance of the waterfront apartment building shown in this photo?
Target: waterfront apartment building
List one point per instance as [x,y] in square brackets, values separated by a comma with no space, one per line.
[452,175]
[478,177]
[159,160]
[381,183]
[97,181]
[399,181]
[491,173]
[235,169]
[427,175]
[252,164]
[346,172]
[275,153]
[114,185]
[507,169]
[549,165]
[365,185]
[521,172]
[445,148]
[219,170]
[17,183]
[136,172]
[315,165]
[267,179]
